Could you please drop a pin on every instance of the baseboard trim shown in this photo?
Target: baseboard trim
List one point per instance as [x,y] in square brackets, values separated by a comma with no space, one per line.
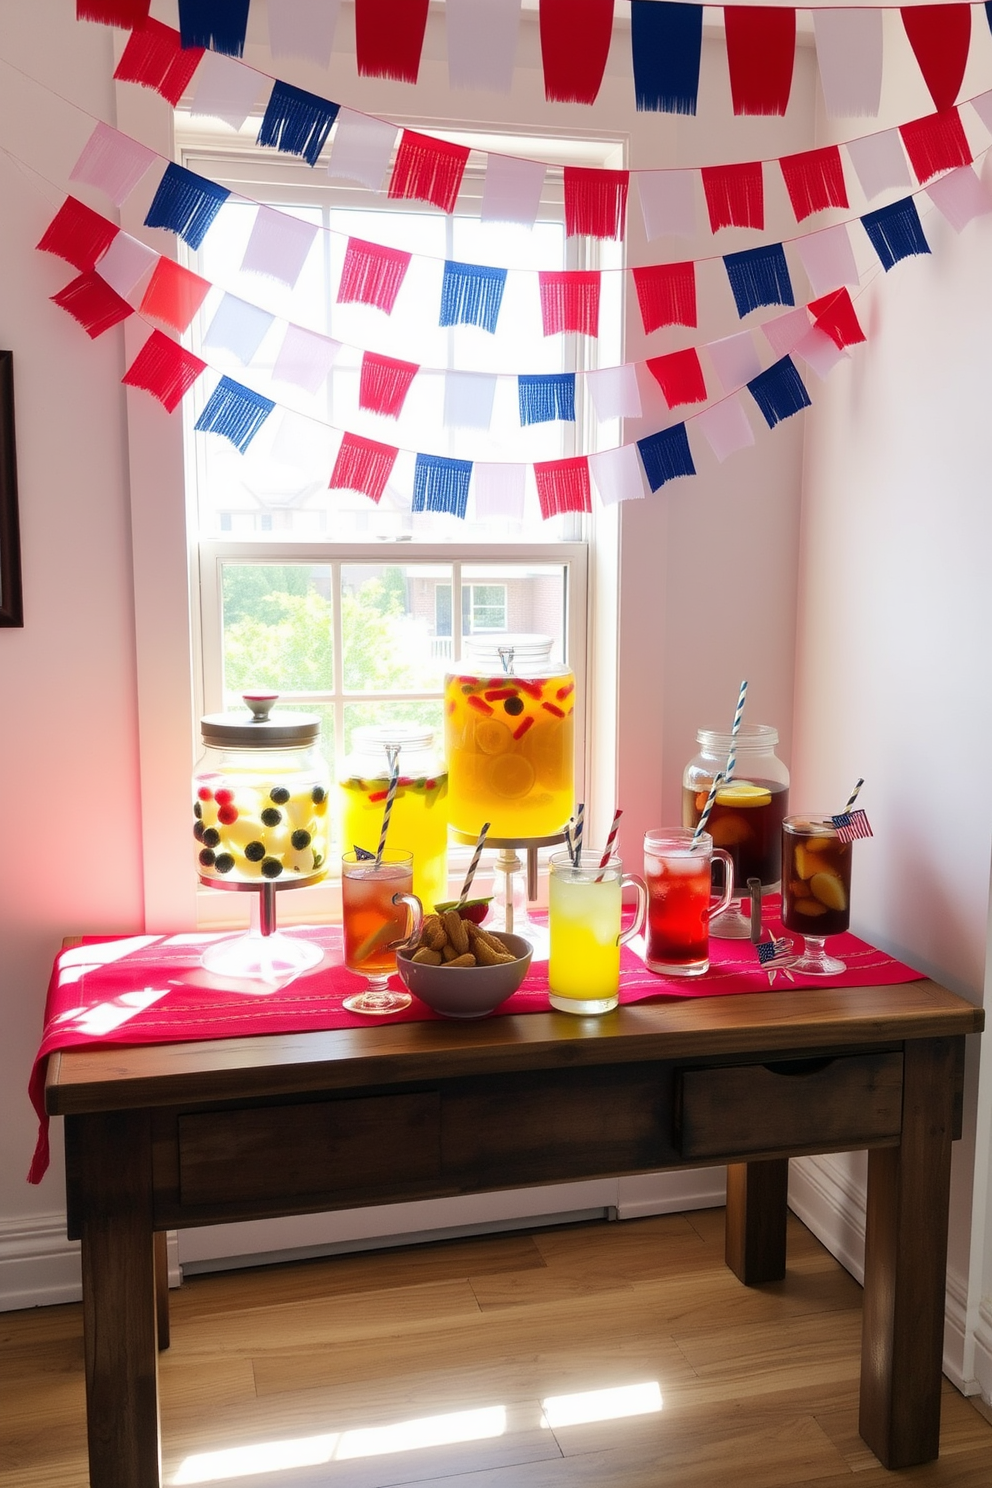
[40,1267]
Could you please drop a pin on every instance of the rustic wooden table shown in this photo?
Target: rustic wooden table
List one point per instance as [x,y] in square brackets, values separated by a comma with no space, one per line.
[167,1136]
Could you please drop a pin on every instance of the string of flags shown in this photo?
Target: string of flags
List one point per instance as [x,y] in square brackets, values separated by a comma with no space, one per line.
[576,36]
[422,168]
[113,265]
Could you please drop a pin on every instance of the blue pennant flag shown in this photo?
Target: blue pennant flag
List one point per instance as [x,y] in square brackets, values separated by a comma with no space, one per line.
[666,43]
[471,294]
[296,122]
[546,396]
[779,391]
[896,232]
[234,411]
[759,276]
[441,484]
[666,455]
[218,25]
[186,204]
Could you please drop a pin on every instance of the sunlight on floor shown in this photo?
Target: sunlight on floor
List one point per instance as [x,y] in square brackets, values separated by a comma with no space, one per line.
[602,1405]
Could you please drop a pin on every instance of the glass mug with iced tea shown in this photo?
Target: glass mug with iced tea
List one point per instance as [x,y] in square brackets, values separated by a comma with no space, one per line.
[816,889]
[679,874]
[584,908]
[381,914]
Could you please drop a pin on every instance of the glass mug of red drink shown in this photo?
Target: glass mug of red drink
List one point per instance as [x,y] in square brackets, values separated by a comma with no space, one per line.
[678,867]
[381,914]
[816,889]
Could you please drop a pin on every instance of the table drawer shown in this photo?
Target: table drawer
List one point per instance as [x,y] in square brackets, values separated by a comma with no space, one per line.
[282,1153]
[794,1104]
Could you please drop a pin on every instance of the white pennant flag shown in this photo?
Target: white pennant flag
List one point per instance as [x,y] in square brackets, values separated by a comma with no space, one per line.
[361,149]
[303,443]
[783,332]
[820,351]
[960,197]
[668,202]
[113,163]
[512,190]
[238,327]
[614,392]
[725,427]
[225,89]
[305,358]
[828,259]
[619,475]
[499,490]
[849,56]
[983,108]
[468,399]
[278,245]
[303,28]
[482,43]
[735,360]
[125,263]
[880,162]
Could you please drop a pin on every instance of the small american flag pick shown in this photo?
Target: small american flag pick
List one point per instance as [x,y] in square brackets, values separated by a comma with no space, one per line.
[851,824]
[363,855]
[766,951]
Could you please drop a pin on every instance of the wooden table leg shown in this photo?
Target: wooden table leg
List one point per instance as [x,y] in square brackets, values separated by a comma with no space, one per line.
[905,1265]
[161,1241]
[112,1199]
[757,1205]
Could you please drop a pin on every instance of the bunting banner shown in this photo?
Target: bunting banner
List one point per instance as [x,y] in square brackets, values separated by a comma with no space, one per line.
[372,275]
[668,198]
[482,43]
[173,295]
[849,58]
[278,246]
[471,294]
[725,428]
[113,163]
[935,143]
[512,190]
[570,301]
[186,204]
[389,38]
[679,374]
[575,42]
[896,232]
[735,360]
[666,456]
[125,263]
[77,234]
[759,276]
[666,295]
[428,170]
[303,29]
[940,36]
[468,399]
[618,475]
[735,195]
[563,486]
[363,465]
[92,302]
[384,383]
[165,369]
[666,42]
[814,181]
[761,47]
[835,315]
[220,25]
[361,150]
[305,358]
[960,197]
[545,397]
[297,122]
[779,391]
[499,490]
[154,57]
[225,90]
[879,162]
[238,327]
[440,484]
[614,392]
[234,412]
[595,202]
[828,258]
[127,14]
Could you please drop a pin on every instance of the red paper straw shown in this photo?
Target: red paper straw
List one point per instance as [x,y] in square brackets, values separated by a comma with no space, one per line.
[611,838]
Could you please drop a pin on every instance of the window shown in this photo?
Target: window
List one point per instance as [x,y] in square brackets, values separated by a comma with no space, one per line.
[349,608]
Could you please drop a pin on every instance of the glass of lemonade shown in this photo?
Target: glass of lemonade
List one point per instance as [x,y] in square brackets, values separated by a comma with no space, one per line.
[680,899]
[816,889]
[380,914]
[584,903]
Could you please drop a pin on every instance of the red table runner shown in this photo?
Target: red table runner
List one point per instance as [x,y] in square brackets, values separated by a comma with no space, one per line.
[151,989]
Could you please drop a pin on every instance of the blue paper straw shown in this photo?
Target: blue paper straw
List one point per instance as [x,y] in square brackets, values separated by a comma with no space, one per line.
[734,731]
[393,753]
[704,818]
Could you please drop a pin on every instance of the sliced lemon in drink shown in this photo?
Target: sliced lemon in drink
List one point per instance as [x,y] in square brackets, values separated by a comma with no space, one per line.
[743,794]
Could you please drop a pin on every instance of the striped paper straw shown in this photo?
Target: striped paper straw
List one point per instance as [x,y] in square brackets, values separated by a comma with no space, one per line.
[854,794]
[577,832]
[701,824]
[393,753]
[474,863]
[734,731]
[611,838]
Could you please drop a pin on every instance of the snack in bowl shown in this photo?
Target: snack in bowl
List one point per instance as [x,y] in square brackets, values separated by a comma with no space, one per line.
[461,970]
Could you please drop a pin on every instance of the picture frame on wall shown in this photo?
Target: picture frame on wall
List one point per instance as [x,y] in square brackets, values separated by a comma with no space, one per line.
[11,609]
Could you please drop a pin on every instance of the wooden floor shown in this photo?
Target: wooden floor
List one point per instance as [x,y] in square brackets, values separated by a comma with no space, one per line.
[331,1358]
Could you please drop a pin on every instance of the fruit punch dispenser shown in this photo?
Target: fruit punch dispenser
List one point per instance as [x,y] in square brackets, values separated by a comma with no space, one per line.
[260,823]
[510,738]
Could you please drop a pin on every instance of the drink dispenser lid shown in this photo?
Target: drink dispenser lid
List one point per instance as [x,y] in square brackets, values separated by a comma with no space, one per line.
[259,731]
[513,650]
[368,738]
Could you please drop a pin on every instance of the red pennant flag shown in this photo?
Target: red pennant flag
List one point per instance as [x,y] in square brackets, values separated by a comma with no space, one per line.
[91,301]
[761,50]
[834,313]
[936,143]
[372,274]
[563,486]
[940,36]
[125,14]
[666,294]
[165,369]
[595,202]
[362,465]
[428,170]
[389,38]
[575,42]
[154,57]
[384,383]
[680,376]
[814,181]
[78,234]
[570,301]
[173,295]
[735,194]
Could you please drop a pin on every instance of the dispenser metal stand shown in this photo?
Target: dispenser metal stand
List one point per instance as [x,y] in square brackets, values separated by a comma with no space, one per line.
[262,953]
[508,864]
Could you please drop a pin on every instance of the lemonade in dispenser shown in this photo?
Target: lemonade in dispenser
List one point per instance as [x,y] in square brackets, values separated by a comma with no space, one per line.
[509,717]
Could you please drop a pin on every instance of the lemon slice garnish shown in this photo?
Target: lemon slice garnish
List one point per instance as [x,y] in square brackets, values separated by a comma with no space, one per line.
[742,793]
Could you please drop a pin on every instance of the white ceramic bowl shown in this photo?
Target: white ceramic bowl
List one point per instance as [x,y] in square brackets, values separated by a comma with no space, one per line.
[466,991]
